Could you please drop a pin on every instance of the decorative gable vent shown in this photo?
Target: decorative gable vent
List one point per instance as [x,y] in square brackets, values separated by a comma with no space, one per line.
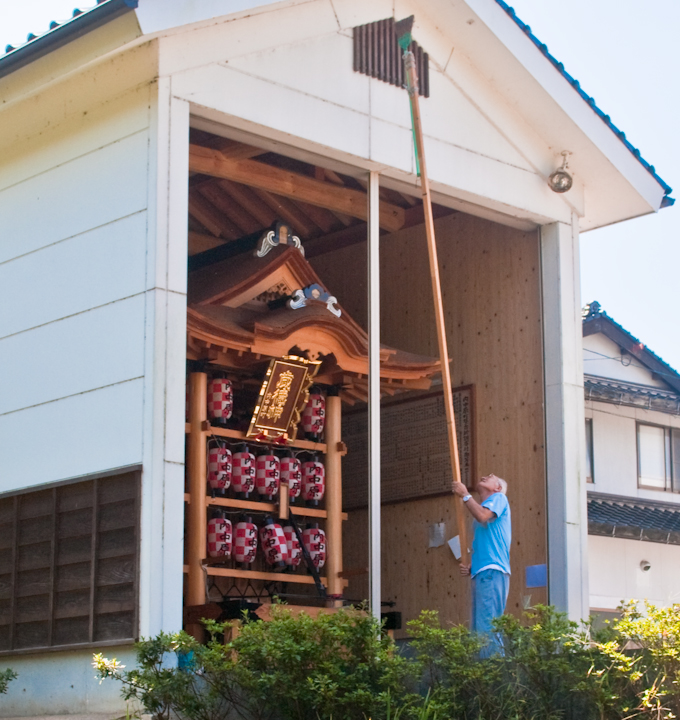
[377,54]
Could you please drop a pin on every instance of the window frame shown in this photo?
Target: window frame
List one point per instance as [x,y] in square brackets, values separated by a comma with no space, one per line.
[590,454]
[97,561]
[671,441]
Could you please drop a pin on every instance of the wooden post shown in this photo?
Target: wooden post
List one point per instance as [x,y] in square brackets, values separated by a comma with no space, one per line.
[334,498]
[412,86]
[197,511]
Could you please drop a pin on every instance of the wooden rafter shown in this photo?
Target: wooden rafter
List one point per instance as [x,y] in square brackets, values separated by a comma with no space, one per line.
[232,210]
[245,197]
[288,211]
[291,185]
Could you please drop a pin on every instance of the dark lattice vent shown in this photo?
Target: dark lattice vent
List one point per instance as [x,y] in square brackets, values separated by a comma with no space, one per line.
[377,54]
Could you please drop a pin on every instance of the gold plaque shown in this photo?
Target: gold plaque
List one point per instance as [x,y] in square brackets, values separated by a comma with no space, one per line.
[283,396]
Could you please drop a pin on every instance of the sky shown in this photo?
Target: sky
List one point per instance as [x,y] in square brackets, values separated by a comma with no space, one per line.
[624,54]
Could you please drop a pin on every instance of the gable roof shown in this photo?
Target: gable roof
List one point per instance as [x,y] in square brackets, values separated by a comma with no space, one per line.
[107,10]
[596,320]
[667,201]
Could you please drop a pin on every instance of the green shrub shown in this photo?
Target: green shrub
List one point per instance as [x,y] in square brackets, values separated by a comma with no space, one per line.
[292,668]
[340,667]
[641,662]
[6,677]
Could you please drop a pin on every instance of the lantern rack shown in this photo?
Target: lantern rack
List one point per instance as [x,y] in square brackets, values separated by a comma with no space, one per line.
[197,501]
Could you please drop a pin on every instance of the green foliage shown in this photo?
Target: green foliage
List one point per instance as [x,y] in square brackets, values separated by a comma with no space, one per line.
[6,677]
[641,661]
[340,667]
[291,668]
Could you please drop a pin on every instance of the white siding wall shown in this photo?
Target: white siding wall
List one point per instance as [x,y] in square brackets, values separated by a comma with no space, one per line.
[73,232]
[93,193]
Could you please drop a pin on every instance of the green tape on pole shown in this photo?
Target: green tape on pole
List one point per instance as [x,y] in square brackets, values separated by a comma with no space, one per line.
[415,143]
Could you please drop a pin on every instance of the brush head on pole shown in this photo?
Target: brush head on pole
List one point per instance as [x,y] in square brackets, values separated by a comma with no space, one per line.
[403,29]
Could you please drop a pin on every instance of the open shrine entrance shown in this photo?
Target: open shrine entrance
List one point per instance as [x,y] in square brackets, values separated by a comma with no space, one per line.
[245,310]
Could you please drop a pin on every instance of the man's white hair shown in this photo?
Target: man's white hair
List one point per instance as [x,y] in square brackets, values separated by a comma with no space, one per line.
[504,486]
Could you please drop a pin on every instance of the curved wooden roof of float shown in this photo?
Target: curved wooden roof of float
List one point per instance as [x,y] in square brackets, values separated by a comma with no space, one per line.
[238,316]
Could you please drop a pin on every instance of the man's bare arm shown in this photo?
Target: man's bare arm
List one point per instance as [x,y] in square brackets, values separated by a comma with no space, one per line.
[480,514]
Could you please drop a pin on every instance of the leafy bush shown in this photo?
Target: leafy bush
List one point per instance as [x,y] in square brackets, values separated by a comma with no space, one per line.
[340,667]
[641,658]
[6,676]
[292,668]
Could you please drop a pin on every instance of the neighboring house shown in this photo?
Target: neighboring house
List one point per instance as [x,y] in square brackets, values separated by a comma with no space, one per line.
[145,147]
[633,467]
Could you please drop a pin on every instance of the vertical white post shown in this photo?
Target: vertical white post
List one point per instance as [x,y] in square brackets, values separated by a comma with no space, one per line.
[564,420]
[162,546]
[374,565]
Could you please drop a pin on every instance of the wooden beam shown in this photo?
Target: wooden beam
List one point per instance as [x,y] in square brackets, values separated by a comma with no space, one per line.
[335,241]
[236,150]
[196,517]
[292,185]
[199,242]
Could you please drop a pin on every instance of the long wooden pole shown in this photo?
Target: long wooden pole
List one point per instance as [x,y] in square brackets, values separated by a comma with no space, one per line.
[412,87]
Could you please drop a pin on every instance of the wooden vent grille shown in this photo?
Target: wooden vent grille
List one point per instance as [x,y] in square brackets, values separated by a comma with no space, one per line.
[377,54]
[69,564]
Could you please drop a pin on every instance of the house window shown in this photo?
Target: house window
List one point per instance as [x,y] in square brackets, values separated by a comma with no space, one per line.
[590,474]
[658,457]
[69,564]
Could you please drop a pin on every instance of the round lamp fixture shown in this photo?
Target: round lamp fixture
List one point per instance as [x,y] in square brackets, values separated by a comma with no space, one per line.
[561,181]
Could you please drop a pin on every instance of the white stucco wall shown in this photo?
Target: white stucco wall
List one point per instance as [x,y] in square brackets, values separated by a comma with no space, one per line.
[604,358]
[615,573]
[615,449]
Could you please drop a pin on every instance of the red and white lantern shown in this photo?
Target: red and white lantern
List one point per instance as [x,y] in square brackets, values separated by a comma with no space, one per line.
[267,473]
[273,541]
[294,549]
[219,467]
[243,472]
[245,541]
[314,539]
[291,473]
[220,399]
[313,481]
[314,414]
[219,537]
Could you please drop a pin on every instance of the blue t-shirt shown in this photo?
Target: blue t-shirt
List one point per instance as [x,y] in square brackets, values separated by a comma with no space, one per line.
[491,542]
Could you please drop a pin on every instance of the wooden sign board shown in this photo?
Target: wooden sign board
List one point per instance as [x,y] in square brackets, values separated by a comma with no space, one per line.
[283,396]
[415,461]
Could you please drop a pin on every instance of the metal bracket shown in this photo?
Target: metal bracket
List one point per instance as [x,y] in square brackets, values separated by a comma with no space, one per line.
[314,293]
[282,235]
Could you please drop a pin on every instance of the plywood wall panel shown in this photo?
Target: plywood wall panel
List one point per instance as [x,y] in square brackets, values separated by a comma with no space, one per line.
[491,294]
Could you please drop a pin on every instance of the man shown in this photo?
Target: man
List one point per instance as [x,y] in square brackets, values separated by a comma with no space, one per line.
[490,566]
